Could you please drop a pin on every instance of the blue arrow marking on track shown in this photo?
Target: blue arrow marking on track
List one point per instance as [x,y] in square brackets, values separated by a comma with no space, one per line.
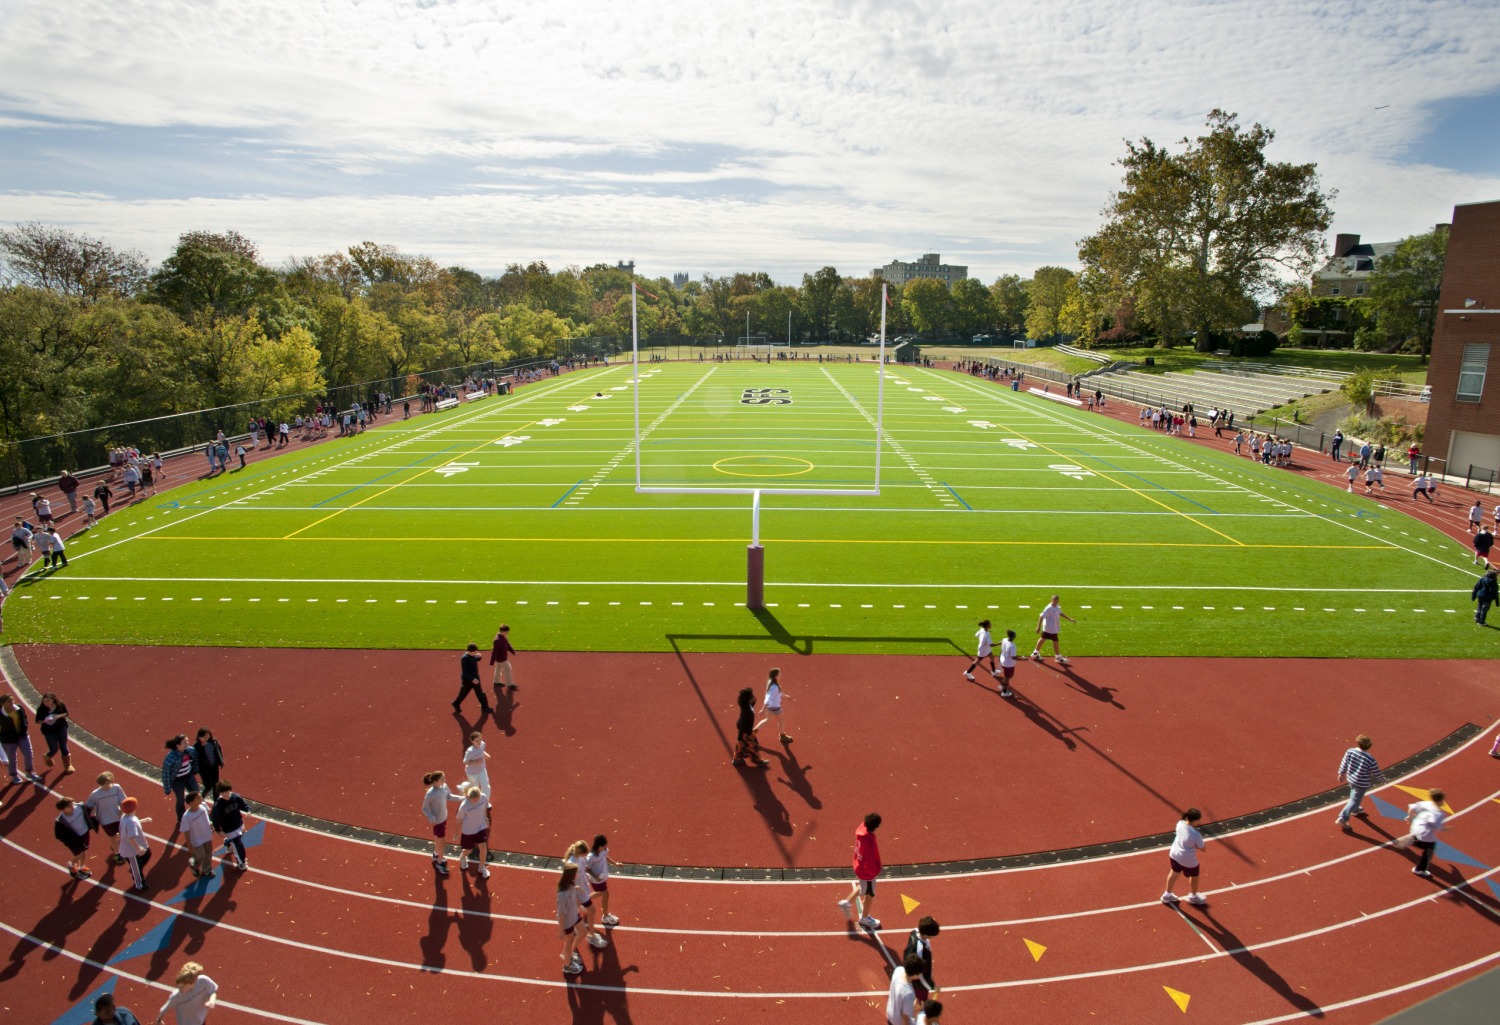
[153,942]
[1388,809]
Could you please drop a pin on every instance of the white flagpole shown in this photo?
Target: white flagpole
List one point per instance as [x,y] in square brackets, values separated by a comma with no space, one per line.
[635,372]
[880,388]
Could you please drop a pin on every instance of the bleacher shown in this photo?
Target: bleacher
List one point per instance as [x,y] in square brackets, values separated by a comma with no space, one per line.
[1247,392]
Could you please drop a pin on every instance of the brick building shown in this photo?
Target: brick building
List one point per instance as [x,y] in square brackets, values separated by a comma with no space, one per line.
[929,266]
[1346,273]
[1463,423]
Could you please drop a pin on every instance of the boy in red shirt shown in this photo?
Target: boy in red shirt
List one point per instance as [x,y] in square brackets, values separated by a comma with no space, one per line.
[866,868]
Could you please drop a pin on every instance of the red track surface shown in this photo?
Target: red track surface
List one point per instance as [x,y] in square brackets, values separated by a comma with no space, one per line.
[322,929]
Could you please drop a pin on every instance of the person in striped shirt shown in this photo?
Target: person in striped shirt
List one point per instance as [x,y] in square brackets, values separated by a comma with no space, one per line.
[1362,773]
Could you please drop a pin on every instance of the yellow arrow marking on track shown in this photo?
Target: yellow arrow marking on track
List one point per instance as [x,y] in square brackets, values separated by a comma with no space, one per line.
[909,904]
[1178,997]
[1037,950]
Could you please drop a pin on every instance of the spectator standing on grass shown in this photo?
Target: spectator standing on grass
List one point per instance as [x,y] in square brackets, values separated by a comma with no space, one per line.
[1360,770]
[195,996]
[210,758]
[228,817]
[107,1012]
[1049,628]
[866,868]
[1426,819]
[1483,541]
[500,653]
[435,810]
[984,649]
[179,775]
[468,680]
[1183,855]
[103,804]
[1485,592]
[1476,515]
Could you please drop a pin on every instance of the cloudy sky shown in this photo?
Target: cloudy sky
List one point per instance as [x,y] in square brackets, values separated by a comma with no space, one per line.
[710,136]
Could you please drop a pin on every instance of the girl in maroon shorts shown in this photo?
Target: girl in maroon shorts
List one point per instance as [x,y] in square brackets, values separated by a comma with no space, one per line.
[568,918]
[1186,846]
[435,811]
[474,831]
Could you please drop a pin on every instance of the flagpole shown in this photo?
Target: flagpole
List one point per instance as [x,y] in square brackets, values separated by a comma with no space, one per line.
[635,372]
[880,388]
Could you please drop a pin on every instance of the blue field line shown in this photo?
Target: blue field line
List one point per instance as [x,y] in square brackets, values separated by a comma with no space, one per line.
[565,494]
[1145,480]
[956,495]
[383,476]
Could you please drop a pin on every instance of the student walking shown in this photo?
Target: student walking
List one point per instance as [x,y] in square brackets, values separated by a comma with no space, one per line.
[468,680]
[1360,770]
[1350,474]
[475,756]
[210,758]
[901,1001]
[133,846]
[1484,593]
[1426,819]
[71,827]
[596,868]
[228,818]
[1048,628]
[1183,856]
[1419,487]
[1483,542]
[866,868]
[199,830]
[15,740]
[103,804]
[577,855]
[474,831]
[500,653]
[569,914]
[435,811]
[983,650]
[23,540]
[107,1013]
[1007,663]
[919,943]
[195,997]
[772,706]
[179,775]
[1476,515]
[52,720]
[746,744]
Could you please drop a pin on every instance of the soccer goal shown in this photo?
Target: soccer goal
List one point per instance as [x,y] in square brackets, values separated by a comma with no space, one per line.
[755,555]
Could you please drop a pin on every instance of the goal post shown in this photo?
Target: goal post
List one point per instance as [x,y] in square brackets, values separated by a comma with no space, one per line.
[755,555]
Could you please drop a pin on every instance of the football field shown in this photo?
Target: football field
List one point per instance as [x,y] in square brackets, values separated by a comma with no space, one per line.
[428,532]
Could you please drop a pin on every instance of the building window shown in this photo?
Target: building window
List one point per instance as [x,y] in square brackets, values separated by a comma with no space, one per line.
[1333,290]
[1359,289]
[1471,371]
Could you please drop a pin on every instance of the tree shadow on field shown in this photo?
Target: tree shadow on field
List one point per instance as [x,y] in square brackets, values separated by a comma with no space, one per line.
[718,711]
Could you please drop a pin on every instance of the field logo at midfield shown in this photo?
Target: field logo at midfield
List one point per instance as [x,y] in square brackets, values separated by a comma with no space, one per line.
[766,397]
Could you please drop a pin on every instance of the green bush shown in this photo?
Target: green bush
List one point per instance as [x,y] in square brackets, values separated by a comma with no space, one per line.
[1255,346]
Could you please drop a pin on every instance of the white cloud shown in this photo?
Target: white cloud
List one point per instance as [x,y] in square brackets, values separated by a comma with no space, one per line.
[869,129]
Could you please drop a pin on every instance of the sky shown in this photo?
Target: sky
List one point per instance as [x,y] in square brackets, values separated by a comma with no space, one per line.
[712,137]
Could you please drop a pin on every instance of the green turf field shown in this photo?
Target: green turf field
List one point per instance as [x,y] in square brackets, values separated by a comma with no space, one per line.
[427,533]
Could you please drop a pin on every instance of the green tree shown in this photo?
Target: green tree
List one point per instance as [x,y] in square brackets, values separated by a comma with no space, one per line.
[1193,235]
[1404,288]
[973,308]
[927,303]
[1046,293]
[1008,297]
[822,298]
[214,274]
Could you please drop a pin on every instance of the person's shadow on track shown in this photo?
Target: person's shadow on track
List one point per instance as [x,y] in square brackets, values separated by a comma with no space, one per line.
[1249,960]
[796,776]
[595,1006]
[467,726]
[475,925]
[764,800]
[439,925]
[76,902]
[111,941]
[1043,719]
[1093,690]
[503,711]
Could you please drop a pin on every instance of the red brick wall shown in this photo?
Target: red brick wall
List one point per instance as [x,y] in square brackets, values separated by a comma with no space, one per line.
[1472,271]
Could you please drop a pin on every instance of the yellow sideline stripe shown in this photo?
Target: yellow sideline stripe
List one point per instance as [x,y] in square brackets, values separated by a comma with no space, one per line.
[382,491]
[795,541]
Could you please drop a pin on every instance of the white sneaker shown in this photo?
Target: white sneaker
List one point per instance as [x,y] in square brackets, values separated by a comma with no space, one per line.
[484,872]
[869,923]
[597,942]
[573,968]
[1036,657]
[610,920]
[1062,660]
[848,910]
[1169,898]
[1196,898]
[463,862]
[968,675]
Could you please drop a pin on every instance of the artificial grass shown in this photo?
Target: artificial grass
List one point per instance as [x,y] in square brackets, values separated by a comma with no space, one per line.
[428,533]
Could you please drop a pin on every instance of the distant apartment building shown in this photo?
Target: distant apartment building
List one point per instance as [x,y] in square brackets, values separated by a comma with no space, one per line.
[930,265]
[1463,421]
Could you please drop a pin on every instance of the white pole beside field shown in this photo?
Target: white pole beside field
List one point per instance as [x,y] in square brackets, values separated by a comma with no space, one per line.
[880,388]
[635,372]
